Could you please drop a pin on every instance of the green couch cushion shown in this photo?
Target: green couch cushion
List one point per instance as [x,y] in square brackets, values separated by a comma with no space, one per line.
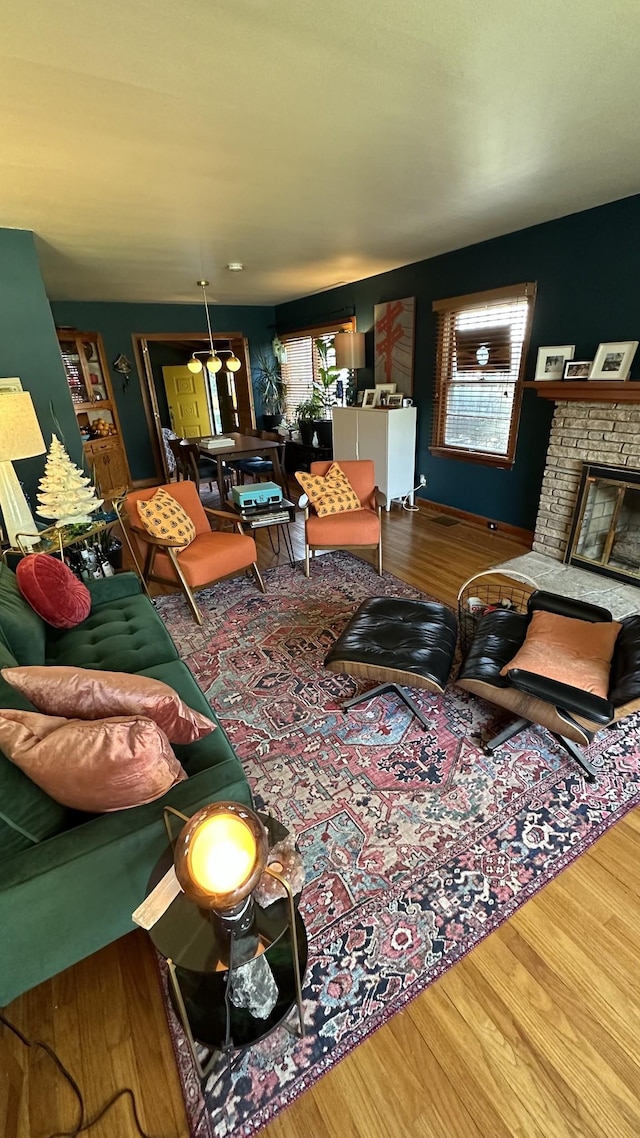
[76,893]
[124,635]
[27,814]
[105,590]
[214,749]
[23,631]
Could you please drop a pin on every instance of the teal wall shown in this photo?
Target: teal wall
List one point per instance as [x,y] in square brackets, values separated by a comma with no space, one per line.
[116,323]
[29,349]
[586,267]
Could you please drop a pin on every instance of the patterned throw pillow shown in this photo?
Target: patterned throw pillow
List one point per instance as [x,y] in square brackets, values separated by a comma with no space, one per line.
[332,494]
[163,517]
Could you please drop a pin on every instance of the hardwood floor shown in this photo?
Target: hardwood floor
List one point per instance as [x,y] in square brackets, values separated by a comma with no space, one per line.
[536,1033]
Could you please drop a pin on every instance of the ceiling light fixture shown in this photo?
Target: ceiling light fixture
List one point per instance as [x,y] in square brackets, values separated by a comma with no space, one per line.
[214,363]
[235,266]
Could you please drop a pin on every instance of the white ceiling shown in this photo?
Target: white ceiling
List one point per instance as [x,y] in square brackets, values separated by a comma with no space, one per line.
[148,142]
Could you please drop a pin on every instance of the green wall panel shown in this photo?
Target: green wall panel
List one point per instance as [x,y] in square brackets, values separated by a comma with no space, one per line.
[29,349]
[586,267]
[117,323]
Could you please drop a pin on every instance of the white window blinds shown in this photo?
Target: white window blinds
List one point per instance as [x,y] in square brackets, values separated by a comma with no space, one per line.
[482,341]
[301,366]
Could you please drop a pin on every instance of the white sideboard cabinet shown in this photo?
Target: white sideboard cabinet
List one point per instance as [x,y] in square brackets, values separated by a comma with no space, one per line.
[386,436]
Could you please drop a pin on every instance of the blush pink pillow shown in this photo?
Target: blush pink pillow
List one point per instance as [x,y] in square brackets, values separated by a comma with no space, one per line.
[85,693]
[574,652]
[98,766]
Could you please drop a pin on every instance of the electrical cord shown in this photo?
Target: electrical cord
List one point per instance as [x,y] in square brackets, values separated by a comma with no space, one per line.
[82,1125]
[412,509]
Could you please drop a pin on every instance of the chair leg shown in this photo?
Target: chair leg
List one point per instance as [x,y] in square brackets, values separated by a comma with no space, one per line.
[568,745]
[197,616]
[258,577]
[576,754]
[379,690]
[504,736]
[306,559]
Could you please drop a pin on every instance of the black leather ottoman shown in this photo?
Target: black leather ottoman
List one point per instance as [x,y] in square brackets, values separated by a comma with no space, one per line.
[397,642]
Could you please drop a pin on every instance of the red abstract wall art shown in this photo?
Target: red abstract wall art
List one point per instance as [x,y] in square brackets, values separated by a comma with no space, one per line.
[393,343]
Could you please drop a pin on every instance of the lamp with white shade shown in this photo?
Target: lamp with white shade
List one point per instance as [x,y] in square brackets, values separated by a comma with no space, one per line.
[349,348]
[20,437]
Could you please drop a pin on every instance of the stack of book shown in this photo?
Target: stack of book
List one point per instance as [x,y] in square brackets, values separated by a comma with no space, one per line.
[269,515]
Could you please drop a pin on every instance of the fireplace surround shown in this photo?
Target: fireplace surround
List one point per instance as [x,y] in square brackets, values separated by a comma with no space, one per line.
[597,434]
[605,532]
[593,430]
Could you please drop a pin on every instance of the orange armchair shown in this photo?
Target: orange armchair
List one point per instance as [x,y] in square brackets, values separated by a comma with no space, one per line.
[211,555]
[361,528]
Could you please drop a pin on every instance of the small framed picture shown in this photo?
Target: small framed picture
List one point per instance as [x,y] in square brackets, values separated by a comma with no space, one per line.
[383,391]
[359,398]
[613,361]
[369,398]
[395,399]
[551,361]
[577,369]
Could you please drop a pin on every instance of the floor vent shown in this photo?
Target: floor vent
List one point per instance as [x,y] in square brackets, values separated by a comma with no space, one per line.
[443,520]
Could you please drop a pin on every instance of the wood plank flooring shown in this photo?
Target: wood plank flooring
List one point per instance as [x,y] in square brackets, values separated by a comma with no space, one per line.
[535,1034]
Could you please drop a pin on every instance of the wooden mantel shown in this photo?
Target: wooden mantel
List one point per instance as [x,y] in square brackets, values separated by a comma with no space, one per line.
[585,391]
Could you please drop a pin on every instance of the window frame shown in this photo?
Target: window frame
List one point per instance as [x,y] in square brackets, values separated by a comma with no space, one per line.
[315,332]
[447,311]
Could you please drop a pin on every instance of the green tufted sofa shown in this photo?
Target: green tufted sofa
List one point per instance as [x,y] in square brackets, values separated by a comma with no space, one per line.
[70,881]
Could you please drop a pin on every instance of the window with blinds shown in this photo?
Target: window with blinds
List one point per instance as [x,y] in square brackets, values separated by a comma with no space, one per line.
[300,370]
[482,346]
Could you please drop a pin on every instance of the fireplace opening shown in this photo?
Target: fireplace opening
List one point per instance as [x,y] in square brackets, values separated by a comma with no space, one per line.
[605,532]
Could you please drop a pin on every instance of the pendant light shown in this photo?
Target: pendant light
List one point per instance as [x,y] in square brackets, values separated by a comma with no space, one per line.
[214,363]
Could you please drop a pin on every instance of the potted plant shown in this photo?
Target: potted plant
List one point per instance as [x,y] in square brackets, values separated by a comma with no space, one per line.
[306,413]
[327,375]
[272,389]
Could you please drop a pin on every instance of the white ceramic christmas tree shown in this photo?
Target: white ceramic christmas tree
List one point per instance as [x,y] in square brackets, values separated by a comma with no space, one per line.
[65,493]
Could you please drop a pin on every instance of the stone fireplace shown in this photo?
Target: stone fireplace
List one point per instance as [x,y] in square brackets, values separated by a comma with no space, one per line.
[606,434]
[595,424]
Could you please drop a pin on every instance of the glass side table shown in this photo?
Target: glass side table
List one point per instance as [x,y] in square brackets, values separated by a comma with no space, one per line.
[203,988]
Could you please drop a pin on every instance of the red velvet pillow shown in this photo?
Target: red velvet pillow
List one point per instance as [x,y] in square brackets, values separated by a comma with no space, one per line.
[53,591]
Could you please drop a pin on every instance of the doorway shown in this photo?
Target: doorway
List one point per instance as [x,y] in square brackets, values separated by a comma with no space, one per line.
[228,394]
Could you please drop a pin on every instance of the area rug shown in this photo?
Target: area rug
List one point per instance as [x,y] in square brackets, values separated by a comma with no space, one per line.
[416,845]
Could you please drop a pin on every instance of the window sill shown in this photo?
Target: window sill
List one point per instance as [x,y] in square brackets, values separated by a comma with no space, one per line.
[499,461]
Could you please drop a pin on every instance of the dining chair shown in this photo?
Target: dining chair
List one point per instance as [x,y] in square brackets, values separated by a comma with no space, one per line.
[196,467]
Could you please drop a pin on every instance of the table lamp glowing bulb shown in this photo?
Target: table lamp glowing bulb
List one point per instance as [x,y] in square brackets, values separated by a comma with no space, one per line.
[220,855]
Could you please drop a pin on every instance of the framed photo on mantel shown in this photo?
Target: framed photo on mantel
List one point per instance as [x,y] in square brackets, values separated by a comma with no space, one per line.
[551,361]
[613,361]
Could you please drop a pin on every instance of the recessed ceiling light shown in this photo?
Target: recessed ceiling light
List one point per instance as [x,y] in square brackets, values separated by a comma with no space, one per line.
[235,266]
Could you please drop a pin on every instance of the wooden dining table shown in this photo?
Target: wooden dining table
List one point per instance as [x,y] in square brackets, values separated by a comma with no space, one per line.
[244,446]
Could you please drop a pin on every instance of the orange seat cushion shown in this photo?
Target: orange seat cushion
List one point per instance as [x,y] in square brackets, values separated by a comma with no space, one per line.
[209,557]
[331,493]
[574,652]
[357,527]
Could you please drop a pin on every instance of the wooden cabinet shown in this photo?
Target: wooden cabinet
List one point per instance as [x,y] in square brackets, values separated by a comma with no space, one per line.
[95,407]
[386,436]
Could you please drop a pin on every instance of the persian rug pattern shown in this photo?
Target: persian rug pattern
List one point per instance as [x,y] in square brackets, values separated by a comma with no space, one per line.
[415,843]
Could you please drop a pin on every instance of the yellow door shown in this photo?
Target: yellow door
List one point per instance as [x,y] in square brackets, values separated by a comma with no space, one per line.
[187,399]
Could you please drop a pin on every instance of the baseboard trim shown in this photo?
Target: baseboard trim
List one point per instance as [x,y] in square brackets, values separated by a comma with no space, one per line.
[476,519]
